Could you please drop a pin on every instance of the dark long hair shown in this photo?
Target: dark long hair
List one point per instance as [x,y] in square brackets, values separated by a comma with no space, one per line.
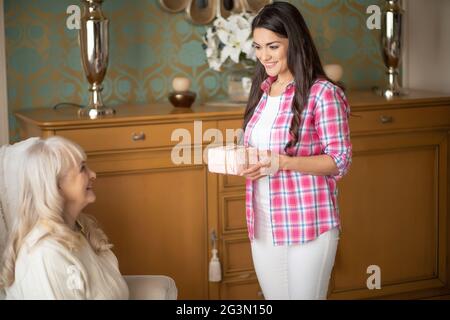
[303,60]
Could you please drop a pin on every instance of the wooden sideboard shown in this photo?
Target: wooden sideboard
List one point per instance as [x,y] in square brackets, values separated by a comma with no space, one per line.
[160,216]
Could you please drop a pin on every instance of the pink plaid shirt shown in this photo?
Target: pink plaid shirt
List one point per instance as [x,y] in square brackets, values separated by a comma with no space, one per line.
[303,206]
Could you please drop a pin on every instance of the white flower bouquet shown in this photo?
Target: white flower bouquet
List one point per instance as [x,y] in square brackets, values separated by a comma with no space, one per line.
[229,38]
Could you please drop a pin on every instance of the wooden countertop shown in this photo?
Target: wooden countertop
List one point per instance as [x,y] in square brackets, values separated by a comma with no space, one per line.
[126,114]
[361,100]
[164,112]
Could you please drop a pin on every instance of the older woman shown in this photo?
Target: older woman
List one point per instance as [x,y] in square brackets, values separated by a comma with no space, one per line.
[55,251]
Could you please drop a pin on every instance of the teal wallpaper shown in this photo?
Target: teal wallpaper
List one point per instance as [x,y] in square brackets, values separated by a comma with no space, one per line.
[149,47]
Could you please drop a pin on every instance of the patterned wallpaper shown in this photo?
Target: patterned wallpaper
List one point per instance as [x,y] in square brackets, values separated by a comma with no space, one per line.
[149,47]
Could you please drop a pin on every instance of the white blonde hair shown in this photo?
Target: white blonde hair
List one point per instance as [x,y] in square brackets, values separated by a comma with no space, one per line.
[40,202]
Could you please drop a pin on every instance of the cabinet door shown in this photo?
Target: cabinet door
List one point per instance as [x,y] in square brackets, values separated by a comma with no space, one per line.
[394,215]
[155,215]
[238,289]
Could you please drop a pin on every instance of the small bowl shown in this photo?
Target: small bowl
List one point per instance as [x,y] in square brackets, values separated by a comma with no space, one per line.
[182,99]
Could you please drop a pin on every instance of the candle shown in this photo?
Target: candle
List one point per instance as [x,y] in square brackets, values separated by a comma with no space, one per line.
[181,84]
[333,71]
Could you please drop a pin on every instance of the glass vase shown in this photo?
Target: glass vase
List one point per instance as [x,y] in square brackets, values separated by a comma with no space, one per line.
[240,82]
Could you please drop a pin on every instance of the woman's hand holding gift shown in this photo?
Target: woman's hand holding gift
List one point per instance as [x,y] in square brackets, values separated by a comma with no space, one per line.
[268,163]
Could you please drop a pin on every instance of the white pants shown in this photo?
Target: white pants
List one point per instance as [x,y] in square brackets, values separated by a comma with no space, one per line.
[298,272]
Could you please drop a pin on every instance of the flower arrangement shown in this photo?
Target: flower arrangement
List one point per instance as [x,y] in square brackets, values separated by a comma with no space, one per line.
[229,38]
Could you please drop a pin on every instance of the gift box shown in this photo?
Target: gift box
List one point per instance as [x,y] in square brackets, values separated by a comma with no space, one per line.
[233,159]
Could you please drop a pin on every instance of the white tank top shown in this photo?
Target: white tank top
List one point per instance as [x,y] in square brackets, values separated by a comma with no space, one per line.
[260,138]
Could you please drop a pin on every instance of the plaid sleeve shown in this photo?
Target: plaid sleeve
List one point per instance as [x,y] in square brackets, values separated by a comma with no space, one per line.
[331,121]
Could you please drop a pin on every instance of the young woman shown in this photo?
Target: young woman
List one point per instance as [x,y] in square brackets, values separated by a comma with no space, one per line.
[301,117]
[55,251]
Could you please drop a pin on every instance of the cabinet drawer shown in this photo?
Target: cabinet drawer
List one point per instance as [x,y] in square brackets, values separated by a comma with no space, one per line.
[241,290]
[232,214]
[399,119]
[237,255]
[134,137]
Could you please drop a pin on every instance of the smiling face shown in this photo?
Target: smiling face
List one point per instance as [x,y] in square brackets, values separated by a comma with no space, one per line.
[272,51]
[76,188]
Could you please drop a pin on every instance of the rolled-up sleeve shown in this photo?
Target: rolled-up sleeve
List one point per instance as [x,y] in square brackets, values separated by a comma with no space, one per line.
[331,122]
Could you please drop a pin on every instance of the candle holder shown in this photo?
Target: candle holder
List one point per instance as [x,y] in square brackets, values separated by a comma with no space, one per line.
[94,43]
[181,97]
[391,47]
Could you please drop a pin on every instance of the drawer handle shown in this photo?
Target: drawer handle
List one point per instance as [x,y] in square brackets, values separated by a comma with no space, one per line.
[245,276]
[386,119]
[138,136]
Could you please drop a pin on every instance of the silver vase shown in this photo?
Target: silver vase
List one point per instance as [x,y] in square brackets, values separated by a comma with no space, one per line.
[94,55]
[391,46]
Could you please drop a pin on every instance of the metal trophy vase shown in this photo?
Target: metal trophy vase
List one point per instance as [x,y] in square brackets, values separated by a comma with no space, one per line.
[391,46]
[94,55]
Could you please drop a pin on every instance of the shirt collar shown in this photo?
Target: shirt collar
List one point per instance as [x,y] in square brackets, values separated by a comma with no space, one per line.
[265,85]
